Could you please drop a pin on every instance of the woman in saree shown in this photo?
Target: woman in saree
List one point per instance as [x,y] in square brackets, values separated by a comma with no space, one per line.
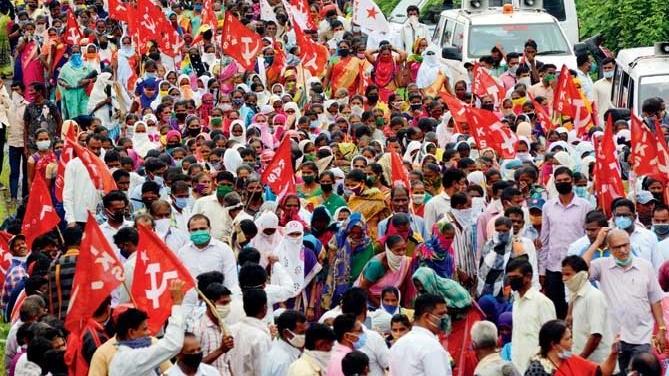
[346,256]
[328,197]
[31,65]
[300,262]
[555,358]
[6,23]
[370,202]
[432,78]
[72,82]
[437,253]
[416,58]
[44,161]
[389,268]
[385,69]
[344,71]
[290,209]
[322,226]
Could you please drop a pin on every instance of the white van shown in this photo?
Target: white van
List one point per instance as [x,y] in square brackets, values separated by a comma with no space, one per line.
[467,34]
[641,73]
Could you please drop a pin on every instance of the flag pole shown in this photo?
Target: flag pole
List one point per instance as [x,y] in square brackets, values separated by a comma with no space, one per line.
[212,307]
[132,298]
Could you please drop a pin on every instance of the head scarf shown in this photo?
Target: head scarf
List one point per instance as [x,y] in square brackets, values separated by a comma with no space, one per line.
[232,160]
[141,142]
[241,139]
[291,254]
[204,111]
[264,243]
[292,214]
[438,253]
[455,295]
[430,68]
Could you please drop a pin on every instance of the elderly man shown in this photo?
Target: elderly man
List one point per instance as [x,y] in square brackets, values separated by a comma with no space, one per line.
[484,342]
[632,293]
[399,203]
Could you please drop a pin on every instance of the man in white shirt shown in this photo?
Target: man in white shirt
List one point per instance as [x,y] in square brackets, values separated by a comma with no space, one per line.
[252,337]
[213,207]
[161,211]
[79,194]
[136,355]
[453,180]
[115,204]
[204,254]
[179,197]
[419,352]
[602,88]
[583,73]
[591,333]
[155,169]
[412,29]
[643,241]
[189,360]
[531,309]
[288,346]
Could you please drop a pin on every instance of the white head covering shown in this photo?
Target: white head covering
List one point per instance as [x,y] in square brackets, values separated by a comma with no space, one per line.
[265,244]
[291,254]
[241,139]
[430,67]
[141,142]
[413,146]
[232,160]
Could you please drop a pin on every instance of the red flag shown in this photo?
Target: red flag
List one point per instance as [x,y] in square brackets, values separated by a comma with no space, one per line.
[314,56]
[98,273]
[608,183]
[170,41]
[542,115]
[239,42]
[156,266]
[398,174]
[72,33]
[456,107]
[66,155]
[148,26]
[208,18]
[644,148]
[118,10]
[569,101]
[98,171]
[40,216]
[5,255]
[301,14]
[489,132]
[279,174]
[484,84]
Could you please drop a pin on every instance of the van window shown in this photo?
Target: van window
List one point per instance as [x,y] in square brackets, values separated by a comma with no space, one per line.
[548,36]
[615,92]
[556,9]
[652,86]
[459,36]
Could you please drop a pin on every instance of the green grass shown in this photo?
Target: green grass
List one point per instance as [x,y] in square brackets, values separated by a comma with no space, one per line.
[4,195]
[4,329]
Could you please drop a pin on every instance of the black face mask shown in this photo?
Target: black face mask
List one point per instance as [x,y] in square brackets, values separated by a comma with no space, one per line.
[125,253]
[116,216]
[155,56]
[173,145]
[326,188]
[181,116]
[488,106]
[416,106]
[254,196]
[516,283]
[563,188]
[193,132]
[191,361]
[103,45]
[373,97]
[344,52]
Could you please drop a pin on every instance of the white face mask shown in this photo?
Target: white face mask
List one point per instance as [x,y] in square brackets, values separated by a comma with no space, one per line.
[394,261]
[223,310]
[297,341]
[413,20]
[162,226]
[293,241]
[526,81]
[43,145]
[321,357]
[608,75]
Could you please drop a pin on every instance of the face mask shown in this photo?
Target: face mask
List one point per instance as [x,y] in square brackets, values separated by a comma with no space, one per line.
[308,179]
[564,354]
[415,106]
[413,20]
[223,310]
[76,60]
[344,52]
[314,124]
[593,67]
[623,222]
[503,237]
[625,262]
[191,361]
[443,323]
[162,226]
[128,50]
[488,106]
[464,215]
[516,283]
[524,157]
[513,69]
[360,343]
[661,229]
[326,188]
[608,75]
[269,60]
[418,198]
[200,237]
[193,132]
[116,217]
[581,192]
[181,116]
[389,308]
[297,341]
[223,190]
[563,188]
[181,202]
[394,261]
[575,283]
[525,81]
[237,102]
[43,145]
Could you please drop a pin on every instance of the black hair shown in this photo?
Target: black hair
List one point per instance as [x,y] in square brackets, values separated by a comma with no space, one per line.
[459,199]
[576,263]
[551,333]
[215,291]
[132,318]
[255,301]
[114,196]
[509,193]
[563,170]
[596,216]
[288,319]
[392,240]
[343,324]
[517,210]
[519,264]
[401,318]
[252,276]
[354,301]
[207,278]
[248,255]
[451,176]
[425,303]
[623,202]
[318,332]
[356,362]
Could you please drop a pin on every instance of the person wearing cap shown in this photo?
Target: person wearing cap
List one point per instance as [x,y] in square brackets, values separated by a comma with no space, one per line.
[645,202]
[17,268]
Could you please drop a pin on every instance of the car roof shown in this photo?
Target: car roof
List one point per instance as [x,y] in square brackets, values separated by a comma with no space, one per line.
[494,16]
[643,60]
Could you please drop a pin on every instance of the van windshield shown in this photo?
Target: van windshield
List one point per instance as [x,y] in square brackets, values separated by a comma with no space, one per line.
[548,36]
[653,86]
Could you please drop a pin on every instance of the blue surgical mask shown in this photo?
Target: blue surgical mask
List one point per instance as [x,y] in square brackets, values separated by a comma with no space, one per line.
[581,192]
[608,75]
[181,202]
[625,262]
[315,124]
[360,343]
[159,180]
[76,59]
[622,222]
[389,308]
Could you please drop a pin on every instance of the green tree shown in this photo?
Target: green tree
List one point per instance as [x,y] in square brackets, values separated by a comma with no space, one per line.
[624,23]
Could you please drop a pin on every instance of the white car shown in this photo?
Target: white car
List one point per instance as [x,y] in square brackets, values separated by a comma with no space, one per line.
[641,73]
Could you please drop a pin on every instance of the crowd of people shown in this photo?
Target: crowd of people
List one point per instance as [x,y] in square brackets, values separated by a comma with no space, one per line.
[359,218]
